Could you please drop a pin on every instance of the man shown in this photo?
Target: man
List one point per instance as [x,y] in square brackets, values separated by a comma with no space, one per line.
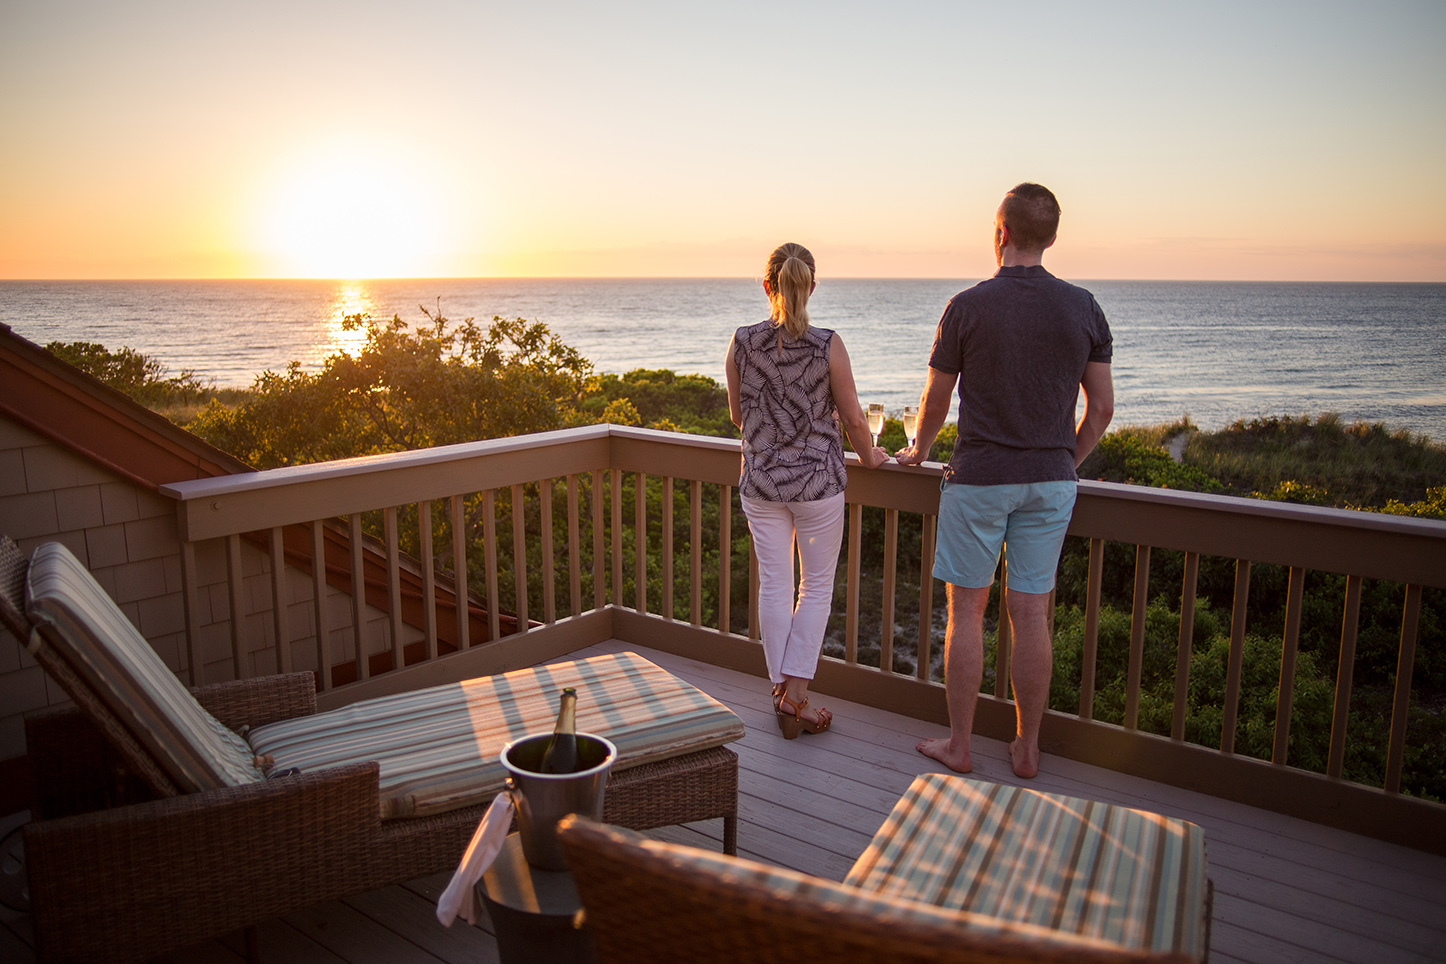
[1021,346]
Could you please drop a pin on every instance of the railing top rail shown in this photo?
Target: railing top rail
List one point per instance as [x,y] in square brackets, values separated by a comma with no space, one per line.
[384,463]
[1263,508]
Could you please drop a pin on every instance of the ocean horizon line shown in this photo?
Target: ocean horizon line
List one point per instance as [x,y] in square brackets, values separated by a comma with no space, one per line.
[654,278]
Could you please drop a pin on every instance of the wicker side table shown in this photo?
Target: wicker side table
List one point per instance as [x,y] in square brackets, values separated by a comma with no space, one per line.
[535,913]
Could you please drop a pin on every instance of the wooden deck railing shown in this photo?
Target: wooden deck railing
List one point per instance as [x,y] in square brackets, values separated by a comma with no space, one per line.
[574,570]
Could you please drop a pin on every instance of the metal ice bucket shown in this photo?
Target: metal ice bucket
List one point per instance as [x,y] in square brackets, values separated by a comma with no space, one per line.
[542,799]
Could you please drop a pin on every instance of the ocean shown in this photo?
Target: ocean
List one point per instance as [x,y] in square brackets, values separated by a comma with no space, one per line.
[1216,351]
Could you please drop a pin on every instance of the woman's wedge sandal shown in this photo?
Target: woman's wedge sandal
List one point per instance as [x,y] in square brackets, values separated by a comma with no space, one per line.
[791,722]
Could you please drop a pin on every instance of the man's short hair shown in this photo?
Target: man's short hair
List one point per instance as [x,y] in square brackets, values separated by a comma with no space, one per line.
[1032,215]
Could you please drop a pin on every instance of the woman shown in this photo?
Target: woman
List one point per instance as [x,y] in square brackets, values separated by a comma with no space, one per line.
[789,388]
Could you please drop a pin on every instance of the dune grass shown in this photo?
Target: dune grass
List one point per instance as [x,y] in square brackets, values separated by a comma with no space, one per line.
[1320,461]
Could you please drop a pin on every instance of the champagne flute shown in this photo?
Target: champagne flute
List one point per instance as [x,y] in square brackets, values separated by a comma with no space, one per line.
[911,422]
[876,420]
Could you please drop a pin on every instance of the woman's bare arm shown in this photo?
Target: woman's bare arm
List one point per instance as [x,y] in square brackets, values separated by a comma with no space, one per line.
[735,401]
[846,398]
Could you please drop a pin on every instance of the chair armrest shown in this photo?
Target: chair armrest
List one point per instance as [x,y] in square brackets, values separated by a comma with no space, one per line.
[144,878]
[259,700]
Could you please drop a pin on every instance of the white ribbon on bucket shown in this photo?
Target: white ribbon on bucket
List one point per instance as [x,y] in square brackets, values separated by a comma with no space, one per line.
[460,897]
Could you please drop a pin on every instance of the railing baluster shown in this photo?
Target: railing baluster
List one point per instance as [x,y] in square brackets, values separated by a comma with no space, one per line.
[616,477]
[1186,645]
[574,549]
[459,574]
[1345,670]
[318,592]
[549,554]
[191,606]
[1287,666]
[489,575]
[666,553]
[1089,654]
[1237,656]
[725,558]
[429,577]
[236,595]
[394,584]
[358,596]
[1400,708]
[1003,636]
[924,651]
[1137,636]
[695,534]
[891,563]
[598,589]
[851,604]
[519,554]
[278,601]
[640,542]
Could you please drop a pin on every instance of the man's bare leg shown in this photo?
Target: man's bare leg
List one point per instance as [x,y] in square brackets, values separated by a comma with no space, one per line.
[1031,663]
[963,671]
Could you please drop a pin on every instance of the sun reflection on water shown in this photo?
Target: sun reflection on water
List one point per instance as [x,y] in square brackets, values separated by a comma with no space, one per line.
[351,299]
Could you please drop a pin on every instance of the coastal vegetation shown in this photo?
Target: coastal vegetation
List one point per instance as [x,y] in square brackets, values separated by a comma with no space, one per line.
[438,384]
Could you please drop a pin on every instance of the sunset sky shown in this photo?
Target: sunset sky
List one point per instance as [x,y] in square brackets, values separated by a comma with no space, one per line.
[1223,140]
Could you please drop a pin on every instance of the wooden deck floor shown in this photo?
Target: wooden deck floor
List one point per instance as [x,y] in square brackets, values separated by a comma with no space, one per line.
[1285,890]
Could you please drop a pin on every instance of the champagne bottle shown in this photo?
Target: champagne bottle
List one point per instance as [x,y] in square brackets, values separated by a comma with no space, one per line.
[561,753]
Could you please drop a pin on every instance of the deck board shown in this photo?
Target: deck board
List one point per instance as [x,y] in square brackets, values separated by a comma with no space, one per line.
[1285,889]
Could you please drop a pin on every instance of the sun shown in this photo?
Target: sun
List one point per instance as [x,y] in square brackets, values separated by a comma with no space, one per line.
[353,215]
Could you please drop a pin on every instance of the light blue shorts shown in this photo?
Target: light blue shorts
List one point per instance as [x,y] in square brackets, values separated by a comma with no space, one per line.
[1028,519]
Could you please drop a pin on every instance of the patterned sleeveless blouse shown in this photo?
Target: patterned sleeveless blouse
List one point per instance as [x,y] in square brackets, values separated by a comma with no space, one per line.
[792,449]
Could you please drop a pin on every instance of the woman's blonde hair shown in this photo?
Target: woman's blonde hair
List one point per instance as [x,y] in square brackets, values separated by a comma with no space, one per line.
[789,276]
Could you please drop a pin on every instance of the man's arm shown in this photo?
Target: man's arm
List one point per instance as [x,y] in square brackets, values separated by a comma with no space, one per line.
[933,410]
[1099,393]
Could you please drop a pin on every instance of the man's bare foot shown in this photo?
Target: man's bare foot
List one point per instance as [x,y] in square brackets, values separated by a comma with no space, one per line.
[1025,759]
[943,751]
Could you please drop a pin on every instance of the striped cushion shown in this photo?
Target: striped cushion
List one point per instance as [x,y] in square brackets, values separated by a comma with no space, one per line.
[99,644]
[1124,876]
[852,904]
[438,748]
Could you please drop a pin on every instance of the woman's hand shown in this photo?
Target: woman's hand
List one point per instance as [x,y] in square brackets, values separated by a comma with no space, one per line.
[873,457]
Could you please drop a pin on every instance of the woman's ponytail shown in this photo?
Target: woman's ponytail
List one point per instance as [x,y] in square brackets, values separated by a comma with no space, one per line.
[790,277]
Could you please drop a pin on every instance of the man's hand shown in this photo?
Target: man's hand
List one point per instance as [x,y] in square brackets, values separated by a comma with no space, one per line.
[933,409]
[908,455]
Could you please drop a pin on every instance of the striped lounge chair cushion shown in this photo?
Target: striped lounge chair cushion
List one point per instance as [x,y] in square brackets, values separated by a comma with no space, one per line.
[791,889]
[84,628]
[438,748]
[1127,877]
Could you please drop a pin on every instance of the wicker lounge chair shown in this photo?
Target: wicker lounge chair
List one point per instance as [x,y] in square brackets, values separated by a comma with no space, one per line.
[127,859]
[960,871]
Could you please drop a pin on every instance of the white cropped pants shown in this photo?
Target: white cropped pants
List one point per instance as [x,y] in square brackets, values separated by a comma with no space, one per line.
[793,633]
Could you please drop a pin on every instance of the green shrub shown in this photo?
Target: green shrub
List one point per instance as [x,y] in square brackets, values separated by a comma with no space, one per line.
[138,375]
[1125,457]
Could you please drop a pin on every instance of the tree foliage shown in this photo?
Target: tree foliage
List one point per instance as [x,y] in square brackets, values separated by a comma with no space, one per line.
[408,389]
[665,400]
[138,375]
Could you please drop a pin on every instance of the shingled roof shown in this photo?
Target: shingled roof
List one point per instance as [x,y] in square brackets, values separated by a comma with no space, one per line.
[63,403]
